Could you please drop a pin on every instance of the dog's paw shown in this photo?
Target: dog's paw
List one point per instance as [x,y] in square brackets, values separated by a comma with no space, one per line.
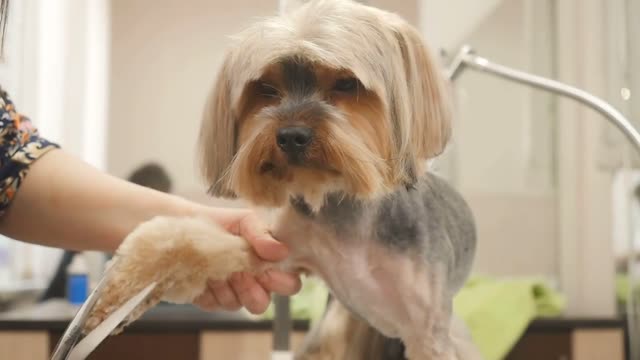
[179,255]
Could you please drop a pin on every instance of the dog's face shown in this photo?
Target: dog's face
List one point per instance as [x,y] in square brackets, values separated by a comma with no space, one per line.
[336,97]
[308,129]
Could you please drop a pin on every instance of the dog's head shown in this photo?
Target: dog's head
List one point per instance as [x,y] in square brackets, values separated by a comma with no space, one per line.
[334,97]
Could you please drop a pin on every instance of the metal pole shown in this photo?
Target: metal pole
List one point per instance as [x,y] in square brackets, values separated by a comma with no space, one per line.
[282,327]
[282,324]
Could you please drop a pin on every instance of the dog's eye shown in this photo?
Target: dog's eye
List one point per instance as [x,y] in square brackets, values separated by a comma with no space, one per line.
[268,90]
[346,85]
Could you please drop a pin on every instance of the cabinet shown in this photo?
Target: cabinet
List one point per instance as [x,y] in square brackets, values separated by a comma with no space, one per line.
[572,339]
[550,339]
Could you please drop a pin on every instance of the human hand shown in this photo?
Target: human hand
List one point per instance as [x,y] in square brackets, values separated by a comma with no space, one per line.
[244,289]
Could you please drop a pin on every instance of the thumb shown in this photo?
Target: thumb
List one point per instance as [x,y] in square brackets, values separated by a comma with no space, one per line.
[257,234]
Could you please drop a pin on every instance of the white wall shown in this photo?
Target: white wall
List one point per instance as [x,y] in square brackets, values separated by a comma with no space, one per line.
[502,154]
[584,186]
[164,58]
[530,164]
[450,22]
[498,151]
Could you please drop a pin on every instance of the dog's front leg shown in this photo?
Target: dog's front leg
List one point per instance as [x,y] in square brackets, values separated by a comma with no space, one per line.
[342,336]
[435,348]
[327,340]
[431,339]
[450,341]
[179,255]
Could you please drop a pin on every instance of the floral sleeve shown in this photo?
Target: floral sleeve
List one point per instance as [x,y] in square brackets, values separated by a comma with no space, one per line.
[20,145]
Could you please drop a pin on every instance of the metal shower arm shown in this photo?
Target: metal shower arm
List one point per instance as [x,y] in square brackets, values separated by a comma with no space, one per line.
[467,58]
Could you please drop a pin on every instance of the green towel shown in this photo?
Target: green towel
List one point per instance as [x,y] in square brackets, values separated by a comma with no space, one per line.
[498,312]
[623,286]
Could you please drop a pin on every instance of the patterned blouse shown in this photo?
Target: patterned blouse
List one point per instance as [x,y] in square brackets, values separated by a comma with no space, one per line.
[20,145]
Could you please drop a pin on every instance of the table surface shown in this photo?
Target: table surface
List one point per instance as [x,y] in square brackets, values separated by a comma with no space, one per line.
[56,314]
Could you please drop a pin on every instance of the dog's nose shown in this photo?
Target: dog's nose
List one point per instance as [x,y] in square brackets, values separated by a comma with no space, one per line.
[294,140]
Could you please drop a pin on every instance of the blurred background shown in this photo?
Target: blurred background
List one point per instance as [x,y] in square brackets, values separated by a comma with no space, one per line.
[122,84]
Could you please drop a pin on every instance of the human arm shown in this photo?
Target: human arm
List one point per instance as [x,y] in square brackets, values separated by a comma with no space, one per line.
[55,199]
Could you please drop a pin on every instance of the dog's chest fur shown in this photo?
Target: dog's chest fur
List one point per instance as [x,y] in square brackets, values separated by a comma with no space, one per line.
[387,259]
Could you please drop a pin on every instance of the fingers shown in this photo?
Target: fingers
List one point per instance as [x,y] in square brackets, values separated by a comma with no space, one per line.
[247,224]
[280,282]
[245,290]
[256,232]
[248,291]
[224,295]
[206,301]
[252,296]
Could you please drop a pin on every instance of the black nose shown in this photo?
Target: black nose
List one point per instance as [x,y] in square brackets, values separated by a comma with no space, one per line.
[294,140]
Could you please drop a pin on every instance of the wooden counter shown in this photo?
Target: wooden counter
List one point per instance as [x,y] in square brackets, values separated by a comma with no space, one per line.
[170,332]
[167,332]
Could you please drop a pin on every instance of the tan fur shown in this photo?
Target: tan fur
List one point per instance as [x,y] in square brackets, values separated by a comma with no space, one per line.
[331,340]
[393,63]
[180,254]
[351,152]
[341,337]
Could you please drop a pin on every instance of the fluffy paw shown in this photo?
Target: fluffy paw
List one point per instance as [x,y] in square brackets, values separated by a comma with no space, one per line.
[179,254]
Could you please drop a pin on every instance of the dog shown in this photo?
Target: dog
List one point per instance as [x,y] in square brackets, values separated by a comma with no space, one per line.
[330,114]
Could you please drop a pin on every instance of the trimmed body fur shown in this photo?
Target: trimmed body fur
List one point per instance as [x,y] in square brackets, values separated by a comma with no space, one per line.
[394,263]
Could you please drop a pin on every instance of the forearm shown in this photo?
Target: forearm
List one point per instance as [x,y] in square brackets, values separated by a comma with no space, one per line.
[64,202]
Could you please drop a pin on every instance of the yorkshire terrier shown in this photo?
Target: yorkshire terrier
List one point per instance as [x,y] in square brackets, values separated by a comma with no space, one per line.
[330,114]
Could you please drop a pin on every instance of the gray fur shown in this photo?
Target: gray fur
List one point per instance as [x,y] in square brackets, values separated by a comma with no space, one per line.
[430,218]
[299,104]
[299,78]
[299,110]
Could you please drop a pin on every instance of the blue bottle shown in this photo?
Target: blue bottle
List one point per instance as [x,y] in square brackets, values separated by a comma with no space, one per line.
[77,280]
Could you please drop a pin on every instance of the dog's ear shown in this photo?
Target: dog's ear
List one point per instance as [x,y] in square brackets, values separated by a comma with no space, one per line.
[217,143]
[426,103]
